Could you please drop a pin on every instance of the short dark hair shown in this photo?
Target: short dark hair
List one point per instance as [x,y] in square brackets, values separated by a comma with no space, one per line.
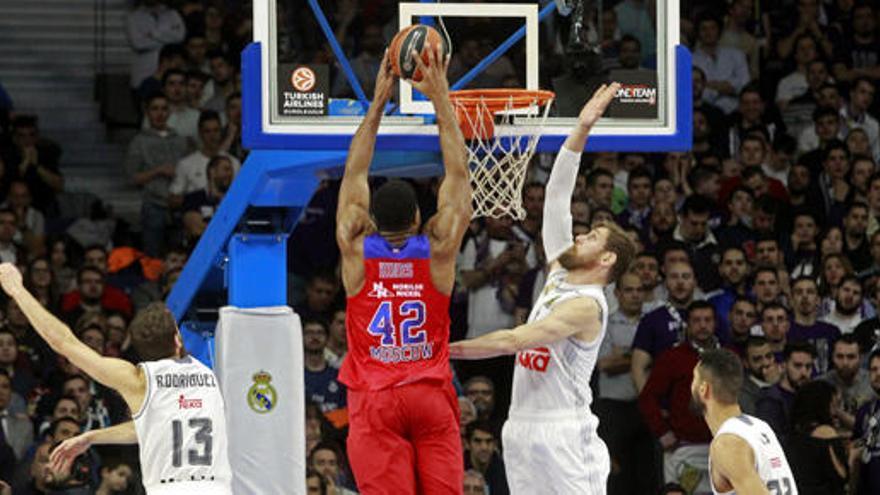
[628,38]
[698,305]
[53,426]
[479,425]
[153,332]
[696,204]
[207,116]
[848,339]
[172,72]
[820,112]
[724,370]
[855,204]
[755,341]
[215,162]
[875,354]
[699,175]
[765,269]
[88,268]
[172,50]
[394,206]
[804,278]
[773,306]
[316,321]
[798,346]
[639,173]
[24,121]
[784,143]
[595,174]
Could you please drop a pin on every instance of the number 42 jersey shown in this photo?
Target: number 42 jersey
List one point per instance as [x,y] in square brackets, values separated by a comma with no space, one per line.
[181,430]
[398,324]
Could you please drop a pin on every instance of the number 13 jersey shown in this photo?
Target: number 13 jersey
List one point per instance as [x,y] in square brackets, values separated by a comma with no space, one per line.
[398,324]
[181,430]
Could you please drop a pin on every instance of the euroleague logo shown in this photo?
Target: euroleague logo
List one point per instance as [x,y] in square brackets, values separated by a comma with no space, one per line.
[303,79]
[637,93]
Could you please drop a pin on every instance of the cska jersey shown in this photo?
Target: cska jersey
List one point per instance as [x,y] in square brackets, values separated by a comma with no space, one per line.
[398,324]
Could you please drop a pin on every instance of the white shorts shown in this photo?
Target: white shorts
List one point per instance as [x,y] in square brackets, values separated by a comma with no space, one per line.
[191,488]
[555,455]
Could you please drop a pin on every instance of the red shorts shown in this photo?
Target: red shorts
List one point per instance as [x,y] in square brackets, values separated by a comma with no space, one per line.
[406,440]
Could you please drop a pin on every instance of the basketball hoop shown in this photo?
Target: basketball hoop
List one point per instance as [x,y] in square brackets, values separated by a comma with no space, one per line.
[499,152]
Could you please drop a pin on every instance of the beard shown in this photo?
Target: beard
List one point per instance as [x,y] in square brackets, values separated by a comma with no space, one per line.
[697,406]
[845,311]
[570,259]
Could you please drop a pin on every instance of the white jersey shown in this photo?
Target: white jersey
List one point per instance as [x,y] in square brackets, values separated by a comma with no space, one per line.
[770,459]
[181,430]
[556,377]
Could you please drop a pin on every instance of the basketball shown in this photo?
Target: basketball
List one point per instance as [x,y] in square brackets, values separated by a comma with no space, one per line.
[418,37]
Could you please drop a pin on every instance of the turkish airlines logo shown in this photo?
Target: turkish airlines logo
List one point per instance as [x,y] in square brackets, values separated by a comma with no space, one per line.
[184,403]
[303,79]
[534,359]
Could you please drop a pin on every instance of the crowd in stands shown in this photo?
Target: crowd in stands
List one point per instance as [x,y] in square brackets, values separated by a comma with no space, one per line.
[765,239]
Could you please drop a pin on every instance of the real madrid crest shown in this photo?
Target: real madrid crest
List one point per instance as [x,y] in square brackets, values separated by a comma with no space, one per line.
[261,397]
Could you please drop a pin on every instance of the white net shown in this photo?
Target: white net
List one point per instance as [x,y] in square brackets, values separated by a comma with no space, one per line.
[499,149]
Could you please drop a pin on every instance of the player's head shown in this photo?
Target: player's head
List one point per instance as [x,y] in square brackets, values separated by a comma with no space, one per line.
[606,249]
[394,207]
[718,378]
[154,333]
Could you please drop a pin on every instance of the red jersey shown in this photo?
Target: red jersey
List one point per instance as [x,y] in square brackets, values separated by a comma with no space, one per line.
[398,324]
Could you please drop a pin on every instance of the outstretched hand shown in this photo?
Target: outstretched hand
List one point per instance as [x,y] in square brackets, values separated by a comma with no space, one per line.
[10,278]
[62,457]
[385,80]
[593,110]
[434,84]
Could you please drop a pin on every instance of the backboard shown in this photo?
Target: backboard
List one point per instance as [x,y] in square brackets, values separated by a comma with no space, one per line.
[308,77]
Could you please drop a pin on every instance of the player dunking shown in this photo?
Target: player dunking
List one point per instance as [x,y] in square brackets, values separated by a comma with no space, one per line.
[550,440]
[179,419]
[404,436]
[745,456]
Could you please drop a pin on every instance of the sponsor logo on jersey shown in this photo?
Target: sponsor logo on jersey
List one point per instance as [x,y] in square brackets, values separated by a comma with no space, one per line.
[184,403]
[775,462]
[534,359]
[262,397]
[395,270]
[379,291]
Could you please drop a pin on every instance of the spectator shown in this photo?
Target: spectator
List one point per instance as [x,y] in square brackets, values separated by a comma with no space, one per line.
[701,244]
[322,386]
[817,454]
[65,275]
[191,172]
[866,436]
[10,251]
[855,114]
[17,429]
[761,370]
[474,483]
[64,407]
[154,290]
[320,302]
[196,81]
[30,222]
[774,402]
[751,114]
[741,318]
[734,270]
[620,424]
[859,53]
[150,162]
[635,17]
[34,160]
[171,57]
[851,380]
[116,476]
[726,68]
[682,434]
[795,84]
[638,207]
[647,268]
[481,391]
[199,206]
[182,118]
[766,288]
[17,370]
[100,407]
[867,332]
[775,325]
[326,458]
[315,483]
[846,312]
[663,328]
[223,76]
[855,240]
[337,343]
[148,27]
[232,133]
[196,47]
[806,327]
[93,294]
[482,456]
[799,112]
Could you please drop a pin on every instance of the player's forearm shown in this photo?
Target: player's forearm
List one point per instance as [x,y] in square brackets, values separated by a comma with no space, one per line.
[355,187]
[498,343]
[121,434]
[50,328]
[556,230]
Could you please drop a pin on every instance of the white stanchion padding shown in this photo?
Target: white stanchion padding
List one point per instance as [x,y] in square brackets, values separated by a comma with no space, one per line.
[259,364]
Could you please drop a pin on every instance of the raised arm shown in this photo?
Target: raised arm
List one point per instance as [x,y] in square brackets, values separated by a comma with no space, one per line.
[556,228]
[118,374]
[454,209]
[66,452]
[353,212]
[573,317]
[733,459]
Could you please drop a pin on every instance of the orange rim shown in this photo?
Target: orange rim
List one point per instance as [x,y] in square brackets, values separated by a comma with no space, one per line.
[496,100]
